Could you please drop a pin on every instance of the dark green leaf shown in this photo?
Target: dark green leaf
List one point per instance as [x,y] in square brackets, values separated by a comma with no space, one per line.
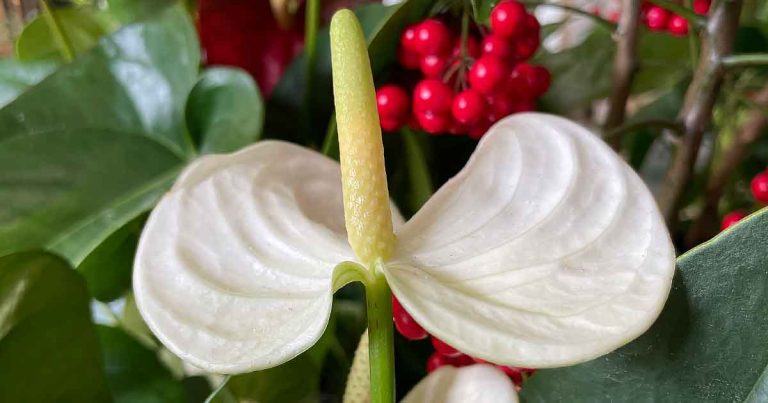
[48,347]
[134,373]
[17,76]
[224,111]
[136,80]
[107,270]
[664,61]
[96,143]
[709,344]
[67,190]
[82,26]
[580,74]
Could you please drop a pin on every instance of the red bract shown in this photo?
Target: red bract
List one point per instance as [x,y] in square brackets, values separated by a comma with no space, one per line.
[432,95]
[432,37]
[759,187]
[677,25]
[656,18]
[487,74]
[508,18]
[468,107]
[732,218]
[244,34]
[405,324]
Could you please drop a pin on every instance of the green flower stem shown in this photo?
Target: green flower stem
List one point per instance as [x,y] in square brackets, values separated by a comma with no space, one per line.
[381,348]
[57,32]
[421,182]
[331,141]
[311,26]
[745,60]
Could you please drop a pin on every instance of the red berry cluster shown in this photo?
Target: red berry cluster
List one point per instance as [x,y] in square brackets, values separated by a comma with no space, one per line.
[759,188]
[445,354]
[466,85]
[659,19]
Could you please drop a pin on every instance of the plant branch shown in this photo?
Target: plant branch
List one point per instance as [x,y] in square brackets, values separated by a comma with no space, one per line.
[596,18]
[624,68]
[57,31]
[675,127]
[706,225]
[746,60]
[699,102]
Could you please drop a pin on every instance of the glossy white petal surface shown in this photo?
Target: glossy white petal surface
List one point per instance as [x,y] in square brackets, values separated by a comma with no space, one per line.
[234,267]
[480,383]
[545,250]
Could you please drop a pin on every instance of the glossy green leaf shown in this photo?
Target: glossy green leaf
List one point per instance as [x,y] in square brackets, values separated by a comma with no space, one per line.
[18,76]
[68,190]
[82,26]
[107,270]
[127,11]
[49,350]
[136,80]
[134,373]
[224,111]
[96,143]
[709,344]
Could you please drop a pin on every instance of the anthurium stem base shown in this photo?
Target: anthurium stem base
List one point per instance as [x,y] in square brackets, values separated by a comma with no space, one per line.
[381,340]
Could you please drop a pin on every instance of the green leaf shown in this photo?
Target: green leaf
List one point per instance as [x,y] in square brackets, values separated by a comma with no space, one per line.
[128,11]
[136,80]
[664,60]
[48,345]
[709,344]
[17,76]
[224,111]
[580,74]
[96,143]
[134,373]
[107,270]
[82,26]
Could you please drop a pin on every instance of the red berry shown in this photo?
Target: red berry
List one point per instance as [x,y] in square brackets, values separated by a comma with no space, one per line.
[677,25]
[392,103]
[759,187]
[487,74]
[539,81]
[431,95]
[432,37]
[463,360]
[405,324]
[389,124]
[507,18]
[444,349]
[500,105]
[433,122]
[701,7]
[520,81]
[473,48]
[528,43]
[468,106]
[496,45]
[656,18]
[732,218]
[436,360]
[408,59]
[478,130]
[432,66]
[514,373]
[408,39]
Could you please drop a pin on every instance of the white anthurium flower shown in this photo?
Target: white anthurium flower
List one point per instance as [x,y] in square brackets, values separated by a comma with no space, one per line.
[545,250]
[475,383]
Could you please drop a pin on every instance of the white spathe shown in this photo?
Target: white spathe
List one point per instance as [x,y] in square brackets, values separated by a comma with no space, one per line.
[545,250]
[480,383]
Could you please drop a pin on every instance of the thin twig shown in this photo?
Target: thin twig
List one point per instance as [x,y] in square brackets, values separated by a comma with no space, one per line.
[746,60]
[624,68]
[699,102]
[706,225]
[675,127]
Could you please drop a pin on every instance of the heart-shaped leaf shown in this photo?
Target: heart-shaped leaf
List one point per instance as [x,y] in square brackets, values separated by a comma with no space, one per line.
[48,346]
[224,111]
[709,344]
